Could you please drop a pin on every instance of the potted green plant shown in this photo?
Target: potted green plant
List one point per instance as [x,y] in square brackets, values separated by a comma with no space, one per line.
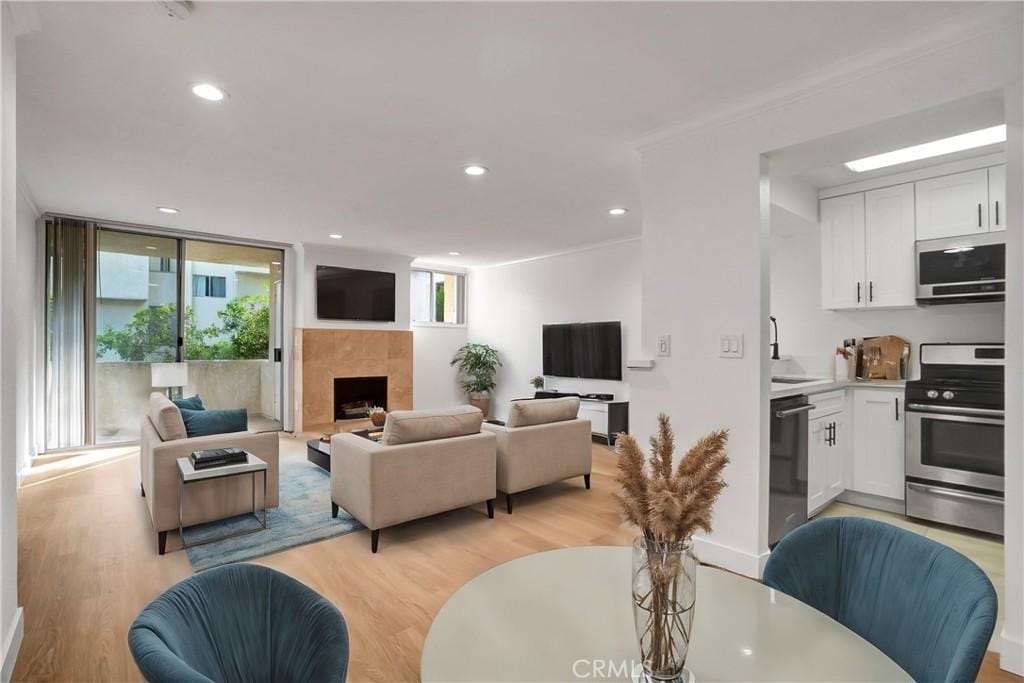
[537,382]
[477,364]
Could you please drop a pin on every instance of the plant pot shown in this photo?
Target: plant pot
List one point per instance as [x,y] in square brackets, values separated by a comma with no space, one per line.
[664,596]
[378,419]
[481,401]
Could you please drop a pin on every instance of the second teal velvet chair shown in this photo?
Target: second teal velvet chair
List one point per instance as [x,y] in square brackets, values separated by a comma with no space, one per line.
[926,606]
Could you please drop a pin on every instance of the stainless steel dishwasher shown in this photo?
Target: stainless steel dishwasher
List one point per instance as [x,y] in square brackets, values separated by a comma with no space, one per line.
[787,466]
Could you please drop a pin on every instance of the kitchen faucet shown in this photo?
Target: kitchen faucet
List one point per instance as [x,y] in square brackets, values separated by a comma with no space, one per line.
[775,344]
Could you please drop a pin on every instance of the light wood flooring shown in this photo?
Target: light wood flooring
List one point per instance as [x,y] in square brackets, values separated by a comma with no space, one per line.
[88,564]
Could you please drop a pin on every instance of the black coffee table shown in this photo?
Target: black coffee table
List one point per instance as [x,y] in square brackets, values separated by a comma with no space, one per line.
[319,452]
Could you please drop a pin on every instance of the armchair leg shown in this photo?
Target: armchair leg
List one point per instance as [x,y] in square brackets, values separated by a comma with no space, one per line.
[334,509]
[586,480]
[508,502]
[142,488]
[490,508]
[161,540]
[374,539]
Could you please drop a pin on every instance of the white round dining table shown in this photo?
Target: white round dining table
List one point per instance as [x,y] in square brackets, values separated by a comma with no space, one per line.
[566,615]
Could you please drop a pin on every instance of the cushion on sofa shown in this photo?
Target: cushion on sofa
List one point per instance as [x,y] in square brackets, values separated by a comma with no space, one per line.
[207,422]
[541,411]
[190,403]
[166,418]
[412,426]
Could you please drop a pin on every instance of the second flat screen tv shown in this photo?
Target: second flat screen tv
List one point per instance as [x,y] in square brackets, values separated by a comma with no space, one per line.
[352,294]
[585,350]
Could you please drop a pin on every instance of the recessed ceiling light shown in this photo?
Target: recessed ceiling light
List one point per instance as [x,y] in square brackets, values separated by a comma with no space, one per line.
[957,143]
[475,169]
[166,209]
[150,247]
[618,211]
[208,91]
[334,236]
[453,253]
[275,263]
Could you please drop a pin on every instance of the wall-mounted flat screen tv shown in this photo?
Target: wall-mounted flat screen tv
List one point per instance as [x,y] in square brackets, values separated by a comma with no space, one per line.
[353,294]
[584,350]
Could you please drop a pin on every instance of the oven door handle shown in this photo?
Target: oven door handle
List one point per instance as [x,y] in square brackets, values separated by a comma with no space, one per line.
[949,493]
[981,412]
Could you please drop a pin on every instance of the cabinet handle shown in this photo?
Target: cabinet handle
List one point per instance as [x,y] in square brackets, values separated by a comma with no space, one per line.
[858,292]
[871,290]
[897,409]
[979,215]
[834,441]
[997,212]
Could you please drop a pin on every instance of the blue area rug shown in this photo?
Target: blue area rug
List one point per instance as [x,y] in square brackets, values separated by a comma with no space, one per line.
[303,516]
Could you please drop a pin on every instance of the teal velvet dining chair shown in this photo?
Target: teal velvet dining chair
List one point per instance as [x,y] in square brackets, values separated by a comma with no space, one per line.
[240,622]
[926,606]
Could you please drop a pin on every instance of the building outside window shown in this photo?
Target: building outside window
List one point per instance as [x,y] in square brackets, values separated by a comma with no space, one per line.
[438,297]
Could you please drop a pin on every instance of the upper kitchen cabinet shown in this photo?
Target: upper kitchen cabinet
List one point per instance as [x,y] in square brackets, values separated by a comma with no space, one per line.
[842,251]
[997,198]
[889,254]
[867,249]
[953,205]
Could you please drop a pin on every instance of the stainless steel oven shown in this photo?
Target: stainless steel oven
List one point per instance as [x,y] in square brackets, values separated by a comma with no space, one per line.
[954,437]
[962,269]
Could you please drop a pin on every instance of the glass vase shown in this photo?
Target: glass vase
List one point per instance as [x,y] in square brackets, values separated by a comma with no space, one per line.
[664,594]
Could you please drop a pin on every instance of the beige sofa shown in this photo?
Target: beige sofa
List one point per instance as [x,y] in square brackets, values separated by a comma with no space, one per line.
[541,442]
[164,441]
[427,462]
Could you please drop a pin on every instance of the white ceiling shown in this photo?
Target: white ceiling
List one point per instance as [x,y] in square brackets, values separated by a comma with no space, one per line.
[357,117]
[820,163]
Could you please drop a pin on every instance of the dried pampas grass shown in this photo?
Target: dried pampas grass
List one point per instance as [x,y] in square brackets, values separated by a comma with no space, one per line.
[670,506]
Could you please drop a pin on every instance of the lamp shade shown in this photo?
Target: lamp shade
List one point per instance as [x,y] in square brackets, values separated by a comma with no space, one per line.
[169,374]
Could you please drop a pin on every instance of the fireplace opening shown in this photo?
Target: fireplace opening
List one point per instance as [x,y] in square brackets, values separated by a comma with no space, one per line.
[354,396]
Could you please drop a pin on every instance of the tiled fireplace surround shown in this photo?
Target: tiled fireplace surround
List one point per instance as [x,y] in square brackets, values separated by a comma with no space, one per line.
[324,354]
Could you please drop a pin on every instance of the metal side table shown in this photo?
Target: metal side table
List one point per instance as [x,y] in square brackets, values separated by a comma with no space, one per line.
[190,475]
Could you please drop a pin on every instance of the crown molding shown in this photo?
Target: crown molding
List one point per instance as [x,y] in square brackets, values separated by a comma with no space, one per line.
[960,28]
[563,252]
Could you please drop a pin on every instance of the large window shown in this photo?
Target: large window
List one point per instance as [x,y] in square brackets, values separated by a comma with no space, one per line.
[438,297]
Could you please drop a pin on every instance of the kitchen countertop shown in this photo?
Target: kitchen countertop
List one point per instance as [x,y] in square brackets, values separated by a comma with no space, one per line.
[817,386]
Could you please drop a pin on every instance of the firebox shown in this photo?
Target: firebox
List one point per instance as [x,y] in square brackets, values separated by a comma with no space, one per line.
[354,396]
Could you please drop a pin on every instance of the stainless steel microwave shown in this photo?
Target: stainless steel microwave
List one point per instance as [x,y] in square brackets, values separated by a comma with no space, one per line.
[962,269]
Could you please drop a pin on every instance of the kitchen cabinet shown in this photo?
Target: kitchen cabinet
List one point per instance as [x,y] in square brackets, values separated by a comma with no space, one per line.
[953,205]
[827,450]
[867,249]
[878,442]
[889,237]
[997,198]
[842,251]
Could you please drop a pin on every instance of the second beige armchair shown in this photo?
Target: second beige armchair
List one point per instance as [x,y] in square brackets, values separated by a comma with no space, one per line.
[541,443]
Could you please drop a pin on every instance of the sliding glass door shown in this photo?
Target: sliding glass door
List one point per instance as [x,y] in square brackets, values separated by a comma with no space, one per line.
[120,300]
[232,325]
[136,323]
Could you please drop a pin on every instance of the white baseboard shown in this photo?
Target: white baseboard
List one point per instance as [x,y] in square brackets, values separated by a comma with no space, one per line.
[1011,654]
[13,645]
[729,558]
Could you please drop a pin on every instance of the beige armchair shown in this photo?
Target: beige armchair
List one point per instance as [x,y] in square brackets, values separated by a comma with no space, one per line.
[164,441]
[542,442]
[427,462]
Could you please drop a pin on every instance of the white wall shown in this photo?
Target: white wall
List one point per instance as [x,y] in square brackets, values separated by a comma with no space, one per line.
[308,256]
[810,334]
[26,246]
[508,305]
[705,249]
[10,318]
[434,382]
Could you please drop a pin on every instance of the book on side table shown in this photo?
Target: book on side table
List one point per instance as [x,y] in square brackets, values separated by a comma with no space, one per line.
[217,457]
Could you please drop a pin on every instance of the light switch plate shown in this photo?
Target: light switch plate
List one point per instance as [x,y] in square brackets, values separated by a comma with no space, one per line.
[730,346]
[664,345]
